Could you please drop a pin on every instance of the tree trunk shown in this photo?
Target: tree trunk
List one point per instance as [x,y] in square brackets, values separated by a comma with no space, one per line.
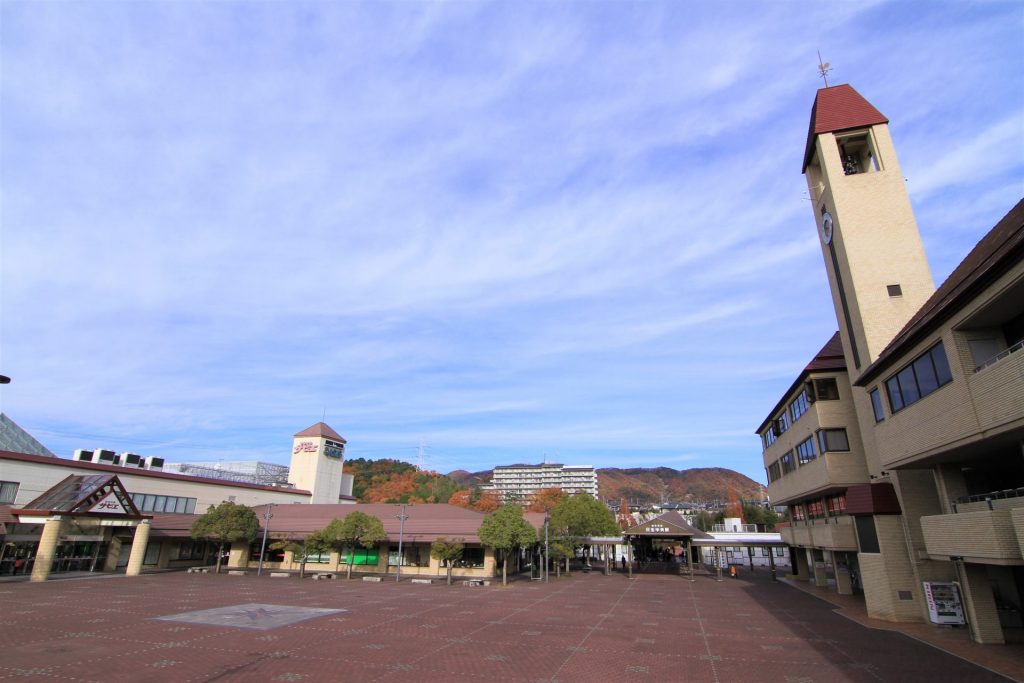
[558,569]
[302,568]
[348,571]
[449,573]
[504,570]
[568,571]
[220,552]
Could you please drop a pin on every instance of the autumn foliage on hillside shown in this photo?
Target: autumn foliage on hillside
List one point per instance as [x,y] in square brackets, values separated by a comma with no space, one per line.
[701,484]
[475,500]
[393,481]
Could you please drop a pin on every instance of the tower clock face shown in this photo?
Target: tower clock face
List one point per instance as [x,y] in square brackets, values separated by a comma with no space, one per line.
[826,228]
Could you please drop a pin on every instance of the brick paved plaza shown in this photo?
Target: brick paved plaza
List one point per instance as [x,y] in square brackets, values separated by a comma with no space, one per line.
[583,628]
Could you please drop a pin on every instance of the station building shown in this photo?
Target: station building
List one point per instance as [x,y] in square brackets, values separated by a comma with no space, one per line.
[907,471]
[82,522]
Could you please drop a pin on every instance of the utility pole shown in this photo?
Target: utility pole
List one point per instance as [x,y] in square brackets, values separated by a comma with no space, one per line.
[266,528]
[547,559]
[401,532]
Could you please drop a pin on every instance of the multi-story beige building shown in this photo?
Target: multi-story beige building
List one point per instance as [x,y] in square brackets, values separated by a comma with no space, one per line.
[928,491]
[522,482]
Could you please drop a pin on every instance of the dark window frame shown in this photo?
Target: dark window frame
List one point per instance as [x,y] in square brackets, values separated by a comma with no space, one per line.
[876,405]
[823,440]
[921,377]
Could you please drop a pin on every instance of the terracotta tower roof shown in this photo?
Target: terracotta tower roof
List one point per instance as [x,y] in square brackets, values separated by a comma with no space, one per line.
[321,429]
[839,108]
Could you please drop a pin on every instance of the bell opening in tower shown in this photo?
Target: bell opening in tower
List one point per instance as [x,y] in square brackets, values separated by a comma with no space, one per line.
[857,153]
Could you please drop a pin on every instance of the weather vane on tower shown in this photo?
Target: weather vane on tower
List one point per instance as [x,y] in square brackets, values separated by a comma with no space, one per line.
[823,68]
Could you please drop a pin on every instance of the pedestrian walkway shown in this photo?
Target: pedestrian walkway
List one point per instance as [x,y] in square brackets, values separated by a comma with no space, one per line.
[585,628]
[1005,659]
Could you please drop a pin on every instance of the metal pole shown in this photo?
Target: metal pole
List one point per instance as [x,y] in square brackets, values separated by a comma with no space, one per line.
[547,558]
[401,532]
[266,528]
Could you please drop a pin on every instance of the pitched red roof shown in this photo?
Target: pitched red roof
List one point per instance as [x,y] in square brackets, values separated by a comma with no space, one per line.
[829,359]
[321,429]
[424,522]
[999,250]
[837,108]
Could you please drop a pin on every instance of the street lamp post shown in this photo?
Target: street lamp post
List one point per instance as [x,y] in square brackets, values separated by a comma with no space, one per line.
[401,532]
[547,560]
[266,528]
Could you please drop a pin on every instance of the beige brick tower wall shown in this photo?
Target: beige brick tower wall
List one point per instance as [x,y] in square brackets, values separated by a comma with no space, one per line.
[877,244]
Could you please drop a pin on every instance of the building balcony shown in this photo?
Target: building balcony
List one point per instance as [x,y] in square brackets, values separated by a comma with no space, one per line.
[831,471]
[834,534]
[995,389]
[991,535]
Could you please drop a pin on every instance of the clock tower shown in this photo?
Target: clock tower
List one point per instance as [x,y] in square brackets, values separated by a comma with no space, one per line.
[318,457]
[874,257]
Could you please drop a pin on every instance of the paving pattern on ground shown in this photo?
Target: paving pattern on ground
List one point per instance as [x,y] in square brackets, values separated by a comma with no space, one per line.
[582,628]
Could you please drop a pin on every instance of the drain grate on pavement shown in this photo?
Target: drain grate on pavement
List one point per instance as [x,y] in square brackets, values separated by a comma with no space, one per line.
[251,615]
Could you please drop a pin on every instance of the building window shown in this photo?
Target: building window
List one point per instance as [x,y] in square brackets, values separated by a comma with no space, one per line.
[826,389]
[190,550]
[786,462]
[773,472]
[472,558]
[318,558]
[815,509]
[805,451]
[833,440]
[928,372]
[836,504]
[8,492]
[797,512]
[768,437]
[799,406]
[364,556]
[781,423]
[876,405]
[867,535]
[271,554]
[152,503]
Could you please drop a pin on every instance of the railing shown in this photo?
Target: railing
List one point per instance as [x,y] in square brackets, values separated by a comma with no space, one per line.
[1001,355]
[988,497]
[742,528]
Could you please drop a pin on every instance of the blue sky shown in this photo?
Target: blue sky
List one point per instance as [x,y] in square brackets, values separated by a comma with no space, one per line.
[507,231]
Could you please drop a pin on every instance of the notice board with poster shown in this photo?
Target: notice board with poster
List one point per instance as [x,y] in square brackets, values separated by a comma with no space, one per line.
[944,603]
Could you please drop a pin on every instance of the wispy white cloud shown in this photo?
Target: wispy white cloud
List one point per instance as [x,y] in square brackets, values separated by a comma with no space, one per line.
[505,229]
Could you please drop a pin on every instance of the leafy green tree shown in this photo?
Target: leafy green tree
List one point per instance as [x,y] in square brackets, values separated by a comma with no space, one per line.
[447,552]
[298,548]
[580,516]
[764,518]
[559,550]
[705,521]
[505,529]
[225,524]
[357,528]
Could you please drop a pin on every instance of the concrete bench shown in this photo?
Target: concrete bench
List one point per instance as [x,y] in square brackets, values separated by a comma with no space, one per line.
[199,570]
[420,581]
[317,577]
[375,579]
[237,572]
[475,582]
[280,575]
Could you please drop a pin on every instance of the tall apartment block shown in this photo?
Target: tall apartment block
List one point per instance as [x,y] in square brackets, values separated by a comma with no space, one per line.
[899,449]
[522,482]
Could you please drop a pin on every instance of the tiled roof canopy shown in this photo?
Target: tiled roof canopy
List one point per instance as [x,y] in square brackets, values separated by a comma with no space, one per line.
[839,108]
[321,429]
[997,251]
[830,358]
